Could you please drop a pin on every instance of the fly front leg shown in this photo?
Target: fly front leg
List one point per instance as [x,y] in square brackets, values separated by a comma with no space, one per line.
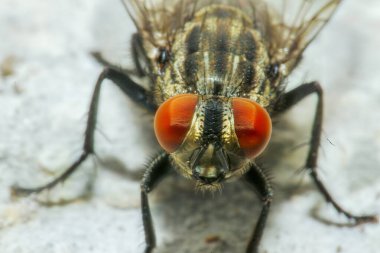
[156,170]
[288,100]
[130,88]
[256,178]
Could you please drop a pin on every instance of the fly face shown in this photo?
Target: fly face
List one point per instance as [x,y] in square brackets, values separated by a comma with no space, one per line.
[212,138]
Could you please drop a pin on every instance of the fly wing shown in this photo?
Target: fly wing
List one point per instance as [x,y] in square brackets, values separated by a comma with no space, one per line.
[287,26]
[159,20]
[291,26]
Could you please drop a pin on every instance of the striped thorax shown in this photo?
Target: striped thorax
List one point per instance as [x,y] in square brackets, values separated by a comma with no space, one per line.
[217,53]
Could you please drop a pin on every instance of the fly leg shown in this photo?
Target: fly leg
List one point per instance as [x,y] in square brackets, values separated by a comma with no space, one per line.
[156,170]
[130,88]
[288,100]
[137,53]
[256,178]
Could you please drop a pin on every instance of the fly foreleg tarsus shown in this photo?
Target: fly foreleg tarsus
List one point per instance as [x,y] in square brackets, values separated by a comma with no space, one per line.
[288,100]
[156,170]
[21,191]
[135,92]
[257,178]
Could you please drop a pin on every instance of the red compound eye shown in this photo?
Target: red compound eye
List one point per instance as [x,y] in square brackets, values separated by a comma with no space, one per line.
[253,126]
[173,120]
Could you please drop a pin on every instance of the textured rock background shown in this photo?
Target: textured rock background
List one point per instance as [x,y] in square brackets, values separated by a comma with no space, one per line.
[43,105]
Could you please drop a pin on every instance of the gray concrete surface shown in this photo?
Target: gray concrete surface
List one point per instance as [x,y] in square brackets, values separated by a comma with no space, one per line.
[44,95]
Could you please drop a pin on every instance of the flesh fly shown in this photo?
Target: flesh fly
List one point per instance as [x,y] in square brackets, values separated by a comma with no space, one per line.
[217,72]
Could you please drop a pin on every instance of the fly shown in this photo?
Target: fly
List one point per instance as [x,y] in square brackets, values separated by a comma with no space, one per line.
[216,70]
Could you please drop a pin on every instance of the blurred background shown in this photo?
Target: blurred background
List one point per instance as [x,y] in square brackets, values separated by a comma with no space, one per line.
[46,79]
